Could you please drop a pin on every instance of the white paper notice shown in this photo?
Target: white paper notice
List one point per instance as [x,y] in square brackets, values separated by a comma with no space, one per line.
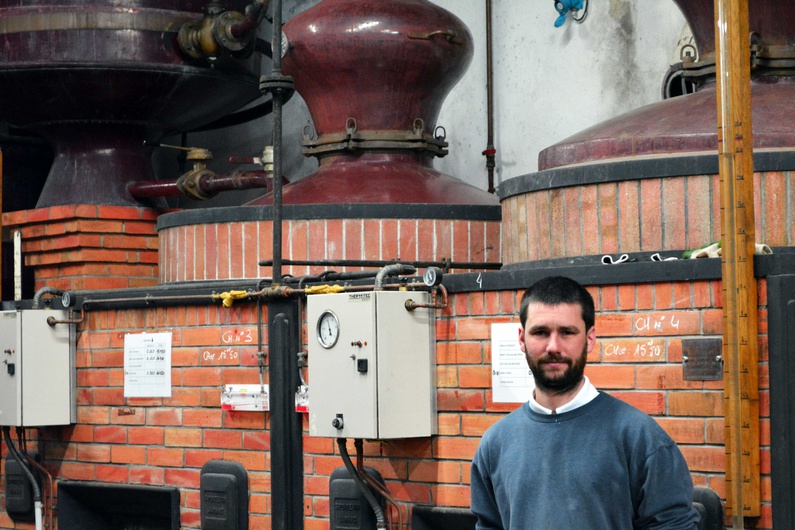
[511,380]
[147,365]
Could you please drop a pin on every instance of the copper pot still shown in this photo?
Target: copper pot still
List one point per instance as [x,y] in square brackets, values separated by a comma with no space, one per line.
[374,75]
[98,78]
[686,124]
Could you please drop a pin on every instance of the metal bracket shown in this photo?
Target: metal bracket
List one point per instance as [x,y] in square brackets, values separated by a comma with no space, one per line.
[354,140]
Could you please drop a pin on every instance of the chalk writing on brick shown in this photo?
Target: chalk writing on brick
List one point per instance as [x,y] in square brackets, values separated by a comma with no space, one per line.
[658,323]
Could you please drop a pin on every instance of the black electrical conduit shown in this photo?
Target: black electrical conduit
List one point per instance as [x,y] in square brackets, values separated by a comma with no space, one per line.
[41,292]
[342,443]
[16,455]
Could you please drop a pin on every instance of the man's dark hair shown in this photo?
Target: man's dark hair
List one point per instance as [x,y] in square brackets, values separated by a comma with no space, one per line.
[556,290]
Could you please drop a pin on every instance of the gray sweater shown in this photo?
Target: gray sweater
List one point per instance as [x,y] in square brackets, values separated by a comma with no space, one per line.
[603,466]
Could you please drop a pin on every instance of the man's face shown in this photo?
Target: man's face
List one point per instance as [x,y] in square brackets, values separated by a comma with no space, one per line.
[556,344]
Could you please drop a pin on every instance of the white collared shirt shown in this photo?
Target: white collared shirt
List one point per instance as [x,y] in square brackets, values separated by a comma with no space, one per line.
[586,394]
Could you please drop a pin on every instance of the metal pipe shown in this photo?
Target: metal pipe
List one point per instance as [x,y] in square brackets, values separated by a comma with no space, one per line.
[252,19]
[278,102]
[41,292]
[411,305]
[151,300]
[391,270]
[50,490]
[52,321]
[273,292]
[444,264]
[150,189]
[238,180]
[490,151]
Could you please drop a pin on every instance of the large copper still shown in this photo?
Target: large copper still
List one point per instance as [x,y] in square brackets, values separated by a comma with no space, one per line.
[374,74]
[98,77]
[687,124]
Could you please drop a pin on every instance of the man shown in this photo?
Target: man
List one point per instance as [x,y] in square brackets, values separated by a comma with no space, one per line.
[574,458]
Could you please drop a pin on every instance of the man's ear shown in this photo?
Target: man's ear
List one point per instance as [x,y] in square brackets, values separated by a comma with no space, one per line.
[590,337]
[521,338]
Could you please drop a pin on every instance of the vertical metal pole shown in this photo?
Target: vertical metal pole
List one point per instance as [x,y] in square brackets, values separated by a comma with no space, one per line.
[490,151]
[278,101]
[287,467]
[1,223]
[740,341]
[284,326]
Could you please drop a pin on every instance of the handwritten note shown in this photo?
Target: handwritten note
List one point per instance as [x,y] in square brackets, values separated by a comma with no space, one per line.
[633,350]
[147,365]
[657,323]
[511,379]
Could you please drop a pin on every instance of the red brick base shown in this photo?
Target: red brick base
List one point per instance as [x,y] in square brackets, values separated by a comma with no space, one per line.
[88,246]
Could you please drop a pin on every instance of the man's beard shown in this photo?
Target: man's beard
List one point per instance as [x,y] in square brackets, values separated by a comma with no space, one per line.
[563,383]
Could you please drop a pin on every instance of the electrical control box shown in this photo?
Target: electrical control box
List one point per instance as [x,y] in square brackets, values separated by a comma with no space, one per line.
[37,369]
[372,365]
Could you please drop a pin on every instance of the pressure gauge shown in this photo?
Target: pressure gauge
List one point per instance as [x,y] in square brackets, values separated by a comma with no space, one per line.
[432,276]
[66,299]
[328,329]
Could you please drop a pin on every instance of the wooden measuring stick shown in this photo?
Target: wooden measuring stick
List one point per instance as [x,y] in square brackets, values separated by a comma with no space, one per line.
[735,153]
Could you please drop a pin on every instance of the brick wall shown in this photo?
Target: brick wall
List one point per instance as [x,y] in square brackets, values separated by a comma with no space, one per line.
[166,441]
[648,215]
[87,246]
[221,251]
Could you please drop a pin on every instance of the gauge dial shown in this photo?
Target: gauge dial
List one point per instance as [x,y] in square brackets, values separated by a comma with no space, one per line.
[328,329]
[432,276]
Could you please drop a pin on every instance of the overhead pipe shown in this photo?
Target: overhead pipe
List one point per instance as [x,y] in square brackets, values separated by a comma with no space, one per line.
[270,293]
[445,265]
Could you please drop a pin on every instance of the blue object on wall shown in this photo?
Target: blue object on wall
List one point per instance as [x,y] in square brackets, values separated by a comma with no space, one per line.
[563,7]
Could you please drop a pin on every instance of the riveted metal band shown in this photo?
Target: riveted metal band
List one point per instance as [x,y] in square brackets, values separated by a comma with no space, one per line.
[162,21]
